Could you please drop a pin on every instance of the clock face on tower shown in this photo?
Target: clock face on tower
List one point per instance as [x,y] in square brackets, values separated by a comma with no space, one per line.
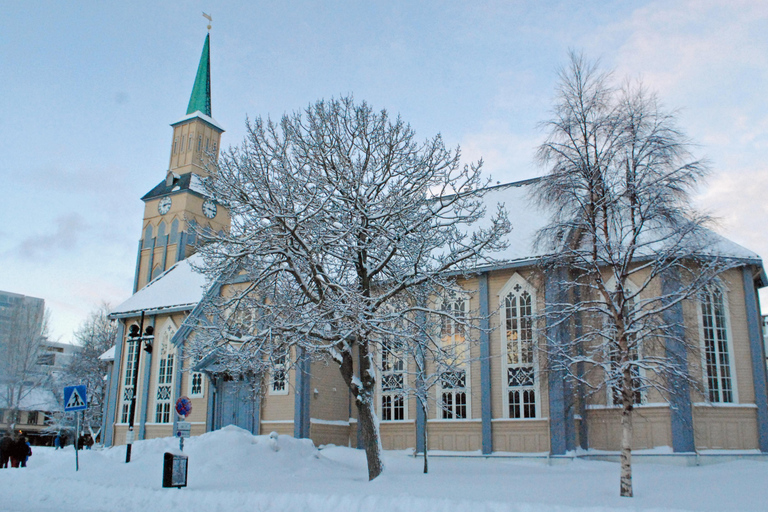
[209,208]
[164,205]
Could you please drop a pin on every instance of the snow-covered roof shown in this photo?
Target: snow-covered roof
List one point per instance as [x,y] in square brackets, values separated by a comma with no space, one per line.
[527,218]
[524,216]
[109,355]
[196,185]
[197,113]
[36,399]
[179,288]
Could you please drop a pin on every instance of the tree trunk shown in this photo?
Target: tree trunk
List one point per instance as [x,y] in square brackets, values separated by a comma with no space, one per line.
[369,429]
[424,436]
[626,447]
[363,393]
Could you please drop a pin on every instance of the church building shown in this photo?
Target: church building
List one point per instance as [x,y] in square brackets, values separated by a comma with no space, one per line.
[503,401]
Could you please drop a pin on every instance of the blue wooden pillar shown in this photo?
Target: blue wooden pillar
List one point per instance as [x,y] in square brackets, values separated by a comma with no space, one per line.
[757,349]
[680,409]
[114,385]
[485,363]
[210,421]
[151,260]
[138,264]
[301,396]
[181,247]
[561,435]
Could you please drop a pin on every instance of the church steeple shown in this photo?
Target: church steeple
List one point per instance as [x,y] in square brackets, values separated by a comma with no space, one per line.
[179,201]
[201,91]
[196,136]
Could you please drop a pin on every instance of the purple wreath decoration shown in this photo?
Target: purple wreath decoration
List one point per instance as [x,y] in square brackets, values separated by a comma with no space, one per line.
[183,406]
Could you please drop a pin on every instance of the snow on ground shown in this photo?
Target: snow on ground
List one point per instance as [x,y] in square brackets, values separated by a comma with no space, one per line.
[231,470]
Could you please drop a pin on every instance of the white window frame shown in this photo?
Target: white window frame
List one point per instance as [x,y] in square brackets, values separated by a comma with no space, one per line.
[393,395]
[278,367]
[166,357]
[126,384]
[454,392]
[510,287]
[192,376]
[725,293]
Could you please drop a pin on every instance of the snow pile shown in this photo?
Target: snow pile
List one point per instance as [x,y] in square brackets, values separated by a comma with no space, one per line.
[231,470]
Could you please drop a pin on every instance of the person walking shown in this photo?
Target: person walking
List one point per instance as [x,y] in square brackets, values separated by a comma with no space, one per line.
[25,451]
[57,441]
[16,452]
[6,444]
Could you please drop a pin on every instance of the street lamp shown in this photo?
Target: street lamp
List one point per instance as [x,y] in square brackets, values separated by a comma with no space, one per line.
[135,336]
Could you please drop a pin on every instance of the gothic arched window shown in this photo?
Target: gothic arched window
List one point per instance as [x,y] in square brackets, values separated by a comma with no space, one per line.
[518,304]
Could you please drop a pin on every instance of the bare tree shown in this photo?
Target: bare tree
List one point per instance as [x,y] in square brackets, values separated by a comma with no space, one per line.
[95,336]
[21,342]
[341,223]
[627,245]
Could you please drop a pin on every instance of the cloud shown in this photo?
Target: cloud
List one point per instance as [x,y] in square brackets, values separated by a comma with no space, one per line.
[738,200]
[68,229]
[709,58]
[507,155]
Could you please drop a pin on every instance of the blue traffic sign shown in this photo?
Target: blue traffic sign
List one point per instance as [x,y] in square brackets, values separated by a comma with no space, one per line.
[74,398]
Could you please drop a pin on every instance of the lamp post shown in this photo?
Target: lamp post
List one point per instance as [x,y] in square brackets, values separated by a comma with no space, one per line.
[135,336]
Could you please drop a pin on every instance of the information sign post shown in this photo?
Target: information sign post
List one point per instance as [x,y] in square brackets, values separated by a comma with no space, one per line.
[75,399]
[183,428]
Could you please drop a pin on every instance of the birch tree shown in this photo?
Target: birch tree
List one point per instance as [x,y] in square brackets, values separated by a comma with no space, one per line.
[95,336]
[627,245]
[339,216]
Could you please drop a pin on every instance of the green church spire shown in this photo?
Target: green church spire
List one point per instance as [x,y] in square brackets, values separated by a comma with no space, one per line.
[201,92]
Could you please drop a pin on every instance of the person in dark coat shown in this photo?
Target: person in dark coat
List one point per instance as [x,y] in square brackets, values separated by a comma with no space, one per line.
[57,441]
[5,450]
[25,451]
[17,452]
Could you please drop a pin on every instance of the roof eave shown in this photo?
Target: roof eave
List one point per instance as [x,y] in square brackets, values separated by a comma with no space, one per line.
[153,311]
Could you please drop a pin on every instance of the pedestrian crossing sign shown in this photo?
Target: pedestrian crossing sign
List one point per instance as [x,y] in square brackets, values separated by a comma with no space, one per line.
[74,398]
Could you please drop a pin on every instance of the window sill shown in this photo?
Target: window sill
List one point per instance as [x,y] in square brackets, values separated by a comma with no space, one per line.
[520,419]
[724,405]
[455,420]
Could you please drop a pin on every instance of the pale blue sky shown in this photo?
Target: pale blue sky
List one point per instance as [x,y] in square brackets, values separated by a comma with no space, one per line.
[88,90]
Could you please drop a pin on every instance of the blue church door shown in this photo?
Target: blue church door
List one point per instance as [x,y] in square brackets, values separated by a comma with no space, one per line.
[237,403]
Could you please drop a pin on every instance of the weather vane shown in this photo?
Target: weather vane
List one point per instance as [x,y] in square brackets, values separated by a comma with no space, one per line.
[208,17]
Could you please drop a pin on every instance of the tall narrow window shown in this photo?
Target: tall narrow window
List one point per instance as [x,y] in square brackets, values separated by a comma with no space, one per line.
[392,382]
[130,364]
[517,337]
[195,385]
[175,145]
[279,378]
[189,143]
[165,373]
[199,143]
[148,231]
[453,381]
[716,351]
